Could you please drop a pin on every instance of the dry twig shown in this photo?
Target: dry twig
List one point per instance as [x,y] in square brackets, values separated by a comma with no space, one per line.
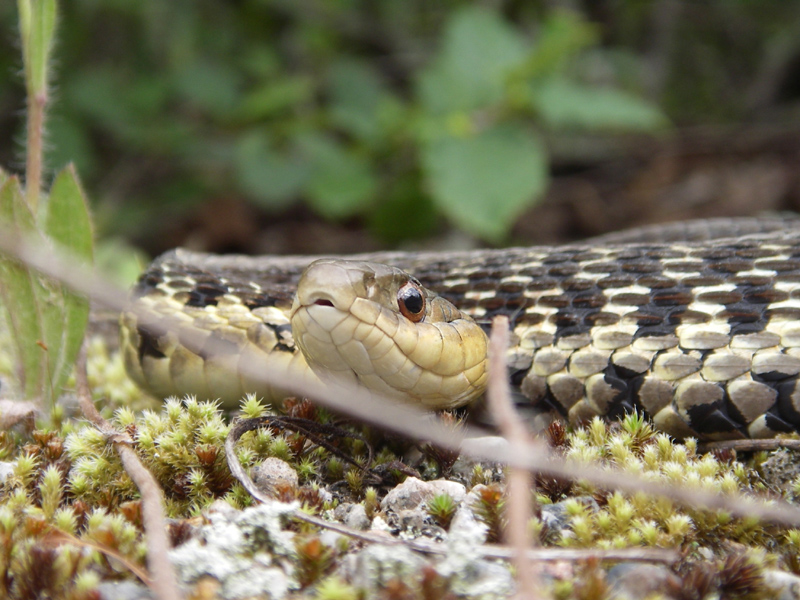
[519,482]
[163,581]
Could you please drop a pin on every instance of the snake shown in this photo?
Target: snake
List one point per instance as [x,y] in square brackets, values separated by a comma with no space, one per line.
[694,324]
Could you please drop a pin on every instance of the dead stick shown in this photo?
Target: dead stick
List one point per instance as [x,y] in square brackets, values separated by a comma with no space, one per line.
[163,582]
[519,481]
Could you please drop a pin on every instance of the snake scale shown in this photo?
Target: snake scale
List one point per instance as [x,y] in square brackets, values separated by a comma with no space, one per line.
[700,329]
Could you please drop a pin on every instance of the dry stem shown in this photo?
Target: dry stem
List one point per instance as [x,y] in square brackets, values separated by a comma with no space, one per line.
[163,581]
[519,482]
[37,104]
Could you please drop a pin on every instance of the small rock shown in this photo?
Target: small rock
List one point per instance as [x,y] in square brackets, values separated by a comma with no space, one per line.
[123,590]
[632,581]
[785,585]
[464,519]
[409,494]
[414,492]
[6,471]
[780,469]
[376,565]
[273,474]
[379,525]
[470,574]
[356,518]
[248,552]
[452,488]
[410,520]
[13,413]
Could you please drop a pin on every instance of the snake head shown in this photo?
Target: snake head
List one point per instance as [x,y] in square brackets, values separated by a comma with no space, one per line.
[376,325]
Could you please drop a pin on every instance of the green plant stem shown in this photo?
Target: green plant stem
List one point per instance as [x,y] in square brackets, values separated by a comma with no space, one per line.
[37,22]
[37,103]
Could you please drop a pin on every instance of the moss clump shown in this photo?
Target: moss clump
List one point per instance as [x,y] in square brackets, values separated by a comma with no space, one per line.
[618,520]
[442,508]
[182,445]
[49,548]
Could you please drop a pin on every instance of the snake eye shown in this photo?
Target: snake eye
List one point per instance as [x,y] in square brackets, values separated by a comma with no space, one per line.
[411,302]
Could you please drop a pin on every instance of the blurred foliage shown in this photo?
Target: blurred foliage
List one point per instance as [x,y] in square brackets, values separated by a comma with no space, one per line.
[394,112]
[47,319]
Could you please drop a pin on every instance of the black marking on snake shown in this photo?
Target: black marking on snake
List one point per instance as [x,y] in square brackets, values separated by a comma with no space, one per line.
[623,402]
[145,284]
[282,333]
[255,300]
[784,406]
[776,423]
[711,418]
[206,294]
[180,284]
[148,345]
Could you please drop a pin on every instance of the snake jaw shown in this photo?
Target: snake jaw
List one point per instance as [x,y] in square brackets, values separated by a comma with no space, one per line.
[348,324]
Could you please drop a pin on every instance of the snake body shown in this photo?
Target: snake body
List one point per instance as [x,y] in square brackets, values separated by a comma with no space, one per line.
[700,330]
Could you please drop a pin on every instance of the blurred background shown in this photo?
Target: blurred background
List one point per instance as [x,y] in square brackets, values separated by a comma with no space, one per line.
[322,126]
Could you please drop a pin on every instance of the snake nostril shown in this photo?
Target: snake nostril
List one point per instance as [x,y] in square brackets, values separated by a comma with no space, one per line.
[323,302]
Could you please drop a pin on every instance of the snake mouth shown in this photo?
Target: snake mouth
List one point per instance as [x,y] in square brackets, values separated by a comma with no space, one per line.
[323,302]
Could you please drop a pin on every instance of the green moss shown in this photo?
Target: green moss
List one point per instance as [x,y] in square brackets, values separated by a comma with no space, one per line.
[442,508]
[625,519]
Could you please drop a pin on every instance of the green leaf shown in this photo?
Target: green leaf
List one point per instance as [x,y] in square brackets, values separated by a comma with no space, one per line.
[67,219]
[479,52]
[341,183]
[67,222]
[18,288]
[275,96]
[563,35]
[564,104]
[482,183]
[271,178]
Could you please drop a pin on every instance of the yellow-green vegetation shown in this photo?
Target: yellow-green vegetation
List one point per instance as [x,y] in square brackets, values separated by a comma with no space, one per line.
[442,508]
[182,445]
[601,518]
[108,381]
[49,538]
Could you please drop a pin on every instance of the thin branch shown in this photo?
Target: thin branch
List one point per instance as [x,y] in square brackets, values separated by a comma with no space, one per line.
[764,445]
[164,582]
[519,482]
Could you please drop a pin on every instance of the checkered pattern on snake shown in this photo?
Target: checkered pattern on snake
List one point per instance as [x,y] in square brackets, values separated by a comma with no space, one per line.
[702,335]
